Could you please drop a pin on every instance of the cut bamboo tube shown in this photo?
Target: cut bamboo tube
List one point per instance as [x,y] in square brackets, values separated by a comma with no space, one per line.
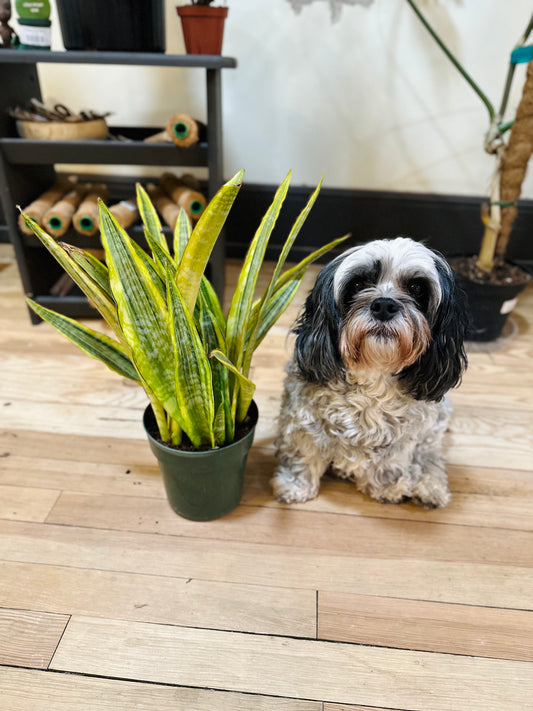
[192,201]
[182,130]
[58,218]
[86,219]
[190,180]
[44,202]
[125,212]
[166,207]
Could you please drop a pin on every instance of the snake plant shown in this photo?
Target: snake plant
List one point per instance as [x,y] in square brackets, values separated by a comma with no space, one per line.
[170,333]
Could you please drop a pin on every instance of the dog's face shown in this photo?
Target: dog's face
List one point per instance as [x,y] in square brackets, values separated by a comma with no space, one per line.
[389,305]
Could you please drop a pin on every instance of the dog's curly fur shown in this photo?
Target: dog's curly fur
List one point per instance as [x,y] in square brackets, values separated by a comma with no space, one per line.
[378,346]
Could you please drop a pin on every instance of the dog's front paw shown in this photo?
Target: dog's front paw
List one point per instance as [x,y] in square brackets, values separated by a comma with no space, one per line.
[432,497]
[292,490]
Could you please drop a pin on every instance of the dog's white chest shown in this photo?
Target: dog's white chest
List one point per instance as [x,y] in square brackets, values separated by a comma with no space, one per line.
[352,423]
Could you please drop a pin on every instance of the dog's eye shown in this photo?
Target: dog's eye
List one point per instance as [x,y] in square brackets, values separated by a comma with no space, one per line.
[416,288]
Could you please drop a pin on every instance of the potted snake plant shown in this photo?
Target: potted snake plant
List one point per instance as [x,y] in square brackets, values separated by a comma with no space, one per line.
[171,336]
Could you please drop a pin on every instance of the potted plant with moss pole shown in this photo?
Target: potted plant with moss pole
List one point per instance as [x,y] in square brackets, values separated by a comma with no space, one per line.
[171,337]
[492,283]
[203,26]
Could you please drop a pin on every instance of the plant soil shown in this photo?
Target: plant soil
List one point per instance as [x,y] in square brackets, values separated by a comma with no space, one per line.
[241,430]
[503,273]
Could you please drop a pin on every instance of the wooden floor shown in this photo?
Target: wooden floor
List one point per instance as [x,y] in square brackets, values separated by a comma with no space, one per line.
[111,601]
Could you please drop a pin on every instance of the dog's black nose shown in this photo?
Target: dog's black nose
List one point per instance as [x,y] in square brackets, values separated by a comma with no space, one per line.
[384,309]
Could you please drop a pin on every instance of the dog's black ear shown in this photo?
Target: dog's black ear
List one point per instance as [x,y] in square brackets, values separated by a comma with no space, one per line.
[316,351]
[441,366]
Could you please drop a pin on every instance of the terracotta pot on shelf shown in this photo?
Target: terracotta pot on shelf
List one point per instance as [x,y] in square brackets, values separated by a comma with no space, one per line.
[203,28]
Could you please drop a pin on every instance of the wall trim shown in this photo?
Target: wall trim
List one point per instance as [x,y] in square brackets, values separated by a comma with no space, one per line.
[449,223]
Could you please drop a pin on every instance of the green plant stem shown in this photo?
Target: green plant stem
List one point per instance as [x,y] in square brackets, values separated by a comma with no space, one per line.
[160,418]
[510,73]
[175,432]
[453,60]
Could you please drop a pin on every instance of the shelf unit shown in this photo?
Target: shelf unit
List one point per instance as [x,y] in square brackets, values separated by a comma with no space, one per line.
[27,166]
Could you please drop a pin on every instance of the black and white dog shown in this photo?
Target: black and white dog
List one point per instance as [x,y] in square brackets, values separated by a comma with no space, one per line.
[378,346]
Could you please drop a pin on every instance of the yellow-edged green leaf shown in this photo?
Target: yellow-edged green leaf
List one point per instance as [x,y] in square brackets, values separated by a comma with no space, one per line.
[161,257]
[256,317]
[92,290]
[210,299]
[182,234]
[202,240]
[92,266]
[150,218]
[155,271]
[276,306]
[194,384]
[299,269]
[219,425]
[143,313]
[213,337]
[247,388]
[242,302]
[95,344]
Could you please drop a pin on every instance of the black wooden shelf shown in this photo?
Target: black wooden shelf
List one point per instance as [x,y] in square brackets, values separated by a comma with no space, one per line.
[23,151]
[154,59]
[27,166]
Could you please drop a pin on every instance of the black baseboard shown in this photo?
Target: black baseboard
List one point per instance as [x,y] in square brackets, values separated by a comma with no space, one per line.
[448,223]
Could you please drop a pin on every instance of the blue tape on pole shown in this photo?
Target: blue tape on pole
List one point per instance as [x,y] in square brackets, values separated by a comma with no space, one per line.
[522,55]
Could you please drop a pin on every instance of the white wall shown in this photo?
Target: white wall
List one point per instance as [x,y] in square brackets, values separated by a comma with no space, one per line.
[370,101]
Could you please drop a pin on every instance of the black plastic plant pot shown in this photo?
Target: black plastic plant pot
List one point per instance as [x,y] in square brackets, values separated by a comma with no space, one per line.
[202,486]
[490,306]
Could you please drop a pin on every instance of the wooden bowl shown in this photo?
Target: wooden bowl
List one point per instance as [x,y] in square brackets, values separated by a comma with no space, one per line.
[63,130]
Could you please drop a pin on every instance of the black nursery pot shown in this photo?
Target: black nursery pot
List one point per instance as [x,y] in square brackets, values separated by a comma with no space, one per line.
[202,486]
[490,306]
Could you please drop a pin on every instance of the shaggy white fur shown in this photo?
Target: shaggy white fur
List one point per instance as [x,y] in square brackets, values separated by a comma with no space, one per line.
[388,444]
[379,344]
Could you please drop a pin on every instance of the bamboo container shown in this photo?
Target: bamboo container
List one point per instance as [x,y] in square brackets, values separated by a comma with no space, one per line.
[192,201]
[58,218]
[44,202]
[182,130]
[166,207]
[125,212]
[86,219]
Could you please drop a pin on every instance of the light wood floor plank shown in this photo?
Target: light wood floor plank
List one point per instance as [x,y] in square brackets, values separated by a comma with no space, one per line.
[160,599]
[28,638]
[504,586]
[22,503]
[381,538]
[79,419]
[23,690]
[343,707]
[498,438]
[304,669]
[120,479]
[512,508]
[95,421]
[426,626]
[78,448]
